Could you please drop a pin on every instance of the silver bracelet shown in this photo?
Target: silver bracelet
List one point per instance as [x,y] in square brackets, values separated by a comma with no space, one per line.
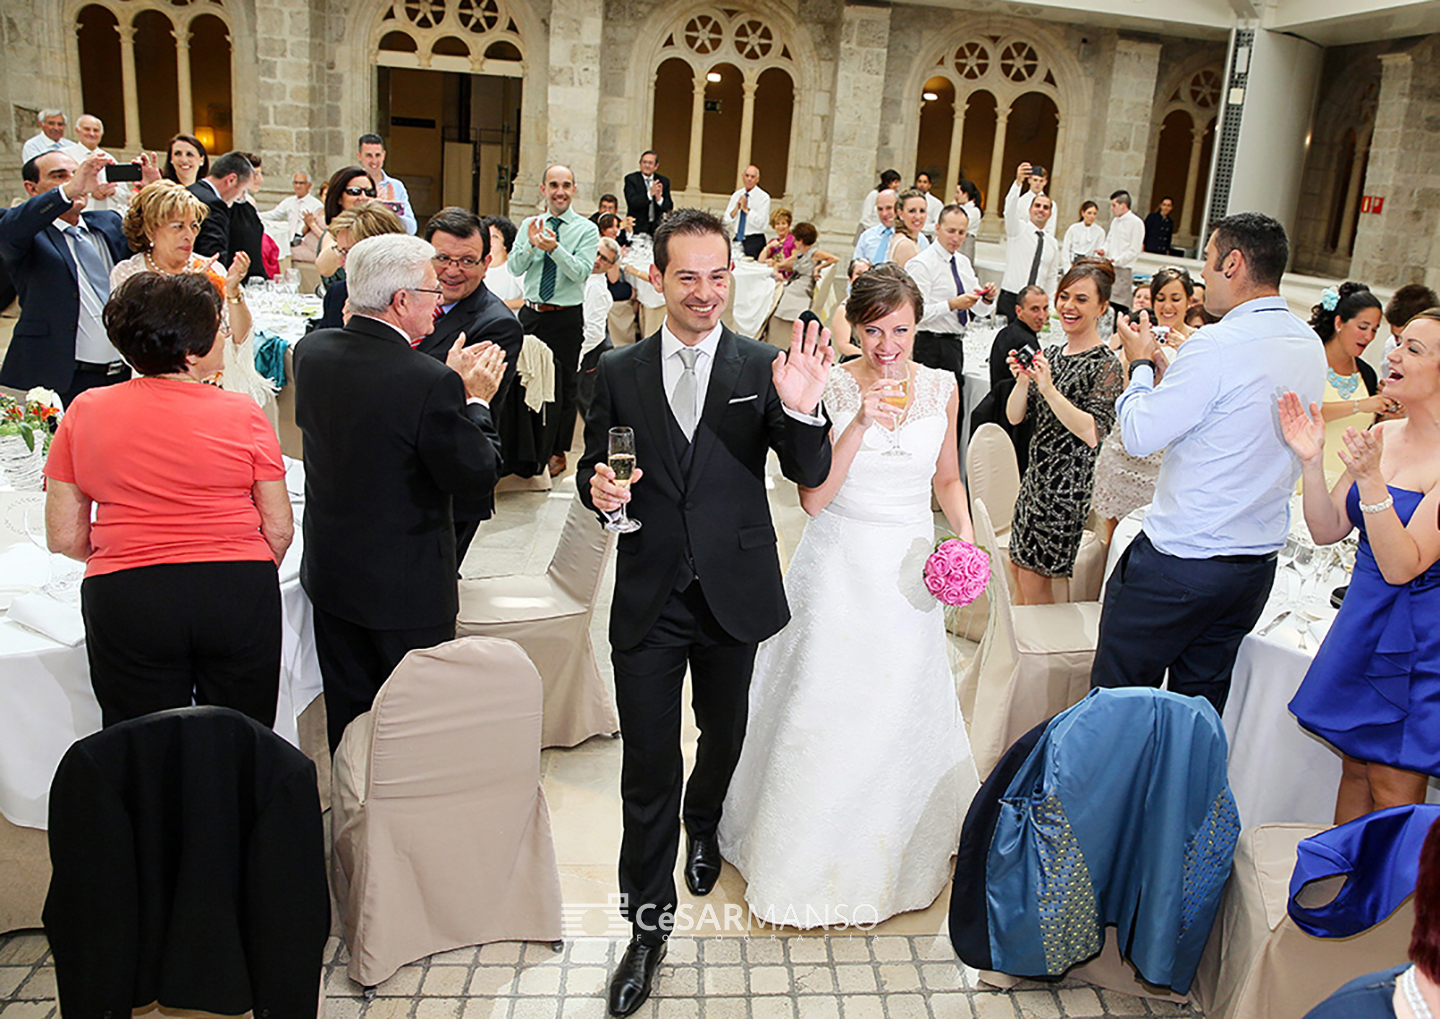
[1379,507]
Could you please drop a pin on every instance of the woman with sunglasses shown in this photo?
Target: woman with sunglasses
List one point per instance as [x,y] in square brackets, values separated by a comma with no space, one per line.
[349,187]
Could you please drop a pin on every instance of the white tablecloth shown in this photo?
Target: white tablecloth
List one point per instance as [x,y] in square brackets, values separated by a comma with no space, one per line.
[1278,771]
[46,702]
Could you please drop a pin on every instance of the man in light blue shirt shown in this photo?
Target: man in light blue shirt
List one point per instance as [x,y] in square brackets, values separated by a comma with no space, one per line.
[388,191]
[874,244]
[1193,583]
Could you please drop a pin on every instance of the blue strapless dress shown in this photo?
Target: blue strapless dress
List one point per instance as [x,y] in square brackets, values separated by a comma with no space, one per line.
[1373,690]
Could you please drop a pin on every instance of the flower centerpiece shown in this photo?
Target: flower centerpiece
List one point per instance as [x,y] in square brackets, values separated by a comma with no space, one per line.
[26,427]
[957,572]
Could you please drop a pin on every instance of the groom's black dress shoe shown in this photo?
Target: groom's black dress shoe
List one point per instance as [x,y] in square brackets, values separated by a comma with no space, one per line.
[630,985]
[702,863]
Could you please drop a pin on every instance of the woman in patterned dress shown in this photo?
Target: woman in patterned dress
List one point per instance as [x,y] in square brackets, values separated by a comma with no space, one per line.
[1071,389]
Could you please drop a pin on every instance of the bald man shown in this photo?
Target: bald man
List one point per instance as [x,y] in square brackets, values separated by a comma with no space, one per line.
[748,212]
[554,254]
[108,197]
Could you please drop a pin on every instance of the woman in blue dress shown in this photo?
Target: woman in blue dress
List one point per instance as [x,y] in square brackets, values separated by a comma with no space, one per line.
[1373,690]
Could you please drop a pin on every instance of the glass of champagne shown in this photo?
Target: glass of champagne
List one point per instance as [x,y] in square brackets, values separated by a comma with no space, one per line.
[622,462]
[898,374]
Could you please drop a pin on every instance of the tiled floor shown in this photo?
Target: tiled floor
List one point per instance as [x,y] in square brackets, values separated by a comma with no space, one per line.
[903,969]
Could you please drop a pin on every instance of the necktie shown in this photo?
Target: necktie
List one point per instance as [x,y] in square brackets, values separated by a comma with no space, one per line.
[883,246]
[960,313]
[740,229]
[547,270]
[686,394]
[1039,252]
[90,263]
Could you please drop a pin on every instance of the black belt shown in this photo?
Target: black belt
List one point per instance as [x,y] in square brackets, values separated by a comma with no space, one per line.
[101,367]
[1259,557]
[533,306]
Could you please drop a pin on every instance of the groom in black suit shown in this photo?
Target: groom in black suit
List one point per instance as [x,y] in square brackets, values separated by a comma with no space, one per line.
[699,584]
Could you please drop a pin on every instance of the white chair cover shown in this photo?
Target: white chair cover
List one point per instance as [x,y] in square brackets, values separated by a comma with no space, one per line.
[549,616]
[442,833]
[1033,661]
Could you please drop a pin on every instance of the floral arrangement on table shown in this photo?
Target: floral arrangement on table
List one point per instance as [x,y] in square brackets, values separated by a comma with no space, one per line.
[957,572]
[26,427]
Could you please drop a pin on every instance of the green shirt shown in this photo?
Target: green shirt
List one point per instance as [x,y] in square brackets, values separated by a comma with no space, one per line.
[574,258]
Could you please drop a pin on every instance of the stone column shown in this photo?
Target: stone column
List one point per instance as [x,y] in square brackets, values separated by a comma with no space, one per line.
[1191,197]
[747,127]
[128,87]
[1352,197]
[993,225]
[573,135]
[1127,117]
[957,138]
[182,75]
[859,83]
[697,134]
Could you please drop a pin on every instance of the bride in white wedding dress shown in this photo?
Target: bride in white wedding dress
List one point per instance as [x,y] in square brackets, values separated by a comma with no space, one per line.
[855,774]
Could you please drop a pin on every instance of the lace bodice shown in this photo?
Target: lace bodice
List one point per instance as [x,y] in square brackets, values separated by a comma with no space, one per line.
[884,488]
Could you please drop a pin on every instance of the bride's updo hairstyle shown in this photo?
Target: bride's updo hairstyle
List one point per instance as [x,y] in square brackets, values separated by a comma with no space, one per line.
[1097,270]
[878,292]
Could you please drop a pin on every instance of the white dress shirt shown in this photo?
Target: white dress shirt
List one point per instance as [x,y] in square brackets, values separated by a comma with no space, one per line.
[597,305]
[92,342]
[930,270]
[1020,255]
[1017,210]
[757,219]
[671,368]
[291,211]
[39,145]
[1081,242]
[933,208]
[1227,476]
[972,211]
[1125,240]
[119,201]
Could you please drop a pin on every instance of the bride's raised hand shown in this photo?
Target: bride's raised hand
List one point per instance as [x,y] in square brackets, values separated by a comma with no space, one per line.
[874,409]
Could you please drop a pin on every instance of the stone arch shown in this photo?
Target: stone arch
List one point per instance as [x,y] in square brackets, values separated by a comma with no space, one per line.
[1004,58]
[1194,88]
[756,37]
[450,35]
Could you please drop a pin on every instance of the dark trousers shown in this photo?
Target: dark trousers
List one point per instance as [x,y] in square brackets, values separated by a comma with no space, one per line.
[465,531]
[563,331]
[649,679]
[1005,305]
[355,661]
[83,380]
[1185,615]
[753,245]
[167,636]
[946,351]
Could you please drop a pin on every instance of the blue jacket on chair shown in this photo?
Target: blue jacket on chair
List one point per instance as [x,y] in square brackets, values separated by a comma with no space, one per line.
[1116,811]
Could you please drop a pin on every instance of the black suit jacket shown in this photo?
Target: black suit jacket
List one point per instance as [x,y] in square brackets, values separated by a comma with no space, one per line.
[637,201]
[247,234]
[214,237]
[42,348]
[189,858]
[720,503]
[481,316]
[389,440]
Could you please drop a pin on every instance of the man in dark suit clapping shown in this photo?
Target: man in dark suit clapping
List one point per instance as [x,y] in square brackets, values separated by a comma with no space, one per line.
[647,194]
[698,585]
[59,258]
[391,438]
[468,309]
[218,189]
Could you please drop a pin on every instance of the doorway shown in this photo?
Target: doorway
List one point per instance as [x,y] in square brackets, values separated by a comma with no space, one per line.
[453,138]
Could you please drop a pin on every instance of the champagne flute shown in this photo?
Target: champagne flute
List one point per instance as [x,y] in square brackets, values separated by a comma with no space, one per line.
[898,374]
[622,462]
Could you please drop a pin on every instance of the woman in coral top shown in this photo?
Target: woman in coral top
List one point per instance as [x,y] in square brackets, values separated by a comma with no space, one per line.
[181,597]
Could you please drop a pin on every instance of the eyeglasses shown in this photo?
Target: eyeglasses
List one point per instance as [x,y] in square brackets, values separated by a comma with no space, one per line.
[427,290]
[441,261]
[367,192]
[607,260]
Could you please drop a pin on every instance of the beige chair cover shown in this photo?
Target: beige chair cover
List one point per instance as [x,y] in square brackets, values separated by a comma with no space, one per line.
[24,876]
[1259,964]
[1033,661]
[442,833]
[549,616]
[621,322]
[829,291]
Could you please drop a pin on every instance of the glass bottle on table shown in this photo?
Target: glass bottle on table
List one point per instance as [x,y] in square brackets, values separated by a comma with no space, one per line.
[622,462]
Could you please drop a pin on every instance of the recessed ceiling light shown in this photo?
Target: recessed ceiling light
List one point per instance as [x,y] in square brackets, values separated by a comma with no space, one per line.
[930,97]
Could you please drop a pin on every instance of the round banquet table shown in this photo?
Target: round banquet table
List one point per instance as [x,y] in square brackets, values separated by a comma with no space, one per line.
[46,702]
[1279,772]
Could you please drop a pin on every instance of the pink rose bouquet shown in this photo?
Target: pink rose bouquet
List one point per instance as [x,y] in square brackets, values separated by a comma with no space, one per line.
[957,572]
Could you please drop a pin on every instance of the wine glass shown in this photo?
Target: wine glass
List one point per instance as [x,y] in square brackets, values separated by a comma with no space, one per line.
[897,373]
[1307,563]
[622,462]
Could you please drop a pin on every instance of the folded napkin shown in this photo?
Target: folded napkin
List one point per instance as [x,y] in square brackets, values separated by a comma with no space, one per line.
[43,614]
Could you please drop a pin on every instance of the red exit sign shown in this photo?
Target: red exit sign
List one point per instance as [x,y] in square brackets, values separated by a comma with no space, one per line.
[1372,203]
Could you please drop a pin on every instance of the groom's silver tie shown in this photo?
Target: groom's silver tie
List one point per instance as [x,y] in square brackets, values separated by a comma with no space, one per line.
[686,392]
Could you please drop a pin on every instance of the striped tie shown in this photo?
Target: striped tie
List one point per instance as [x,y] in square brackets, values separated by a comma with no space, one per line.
[547,270]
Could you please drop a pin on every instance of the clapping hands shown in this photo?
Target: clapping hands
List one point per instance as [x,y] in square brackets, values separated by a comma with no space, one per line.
[481,367]
[1361,452]
[541,236]
[800,373]
[1304,433]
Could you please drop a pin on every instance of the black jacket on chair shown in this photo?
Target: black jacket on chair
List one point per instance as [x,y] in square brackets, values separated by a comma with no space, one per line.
[719,507]
[389,440]
[42,349]
[214,237]
[189,869]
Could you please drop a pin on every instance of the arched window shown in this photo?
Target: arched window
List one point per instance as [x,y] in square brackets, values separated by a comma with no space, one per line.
[1182,152]
[738,107]
[152,68]
[469,36]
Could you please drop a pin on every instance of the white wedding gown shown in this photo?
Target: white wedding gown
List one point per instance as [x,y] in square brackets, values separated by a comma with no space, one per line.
[855,775]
